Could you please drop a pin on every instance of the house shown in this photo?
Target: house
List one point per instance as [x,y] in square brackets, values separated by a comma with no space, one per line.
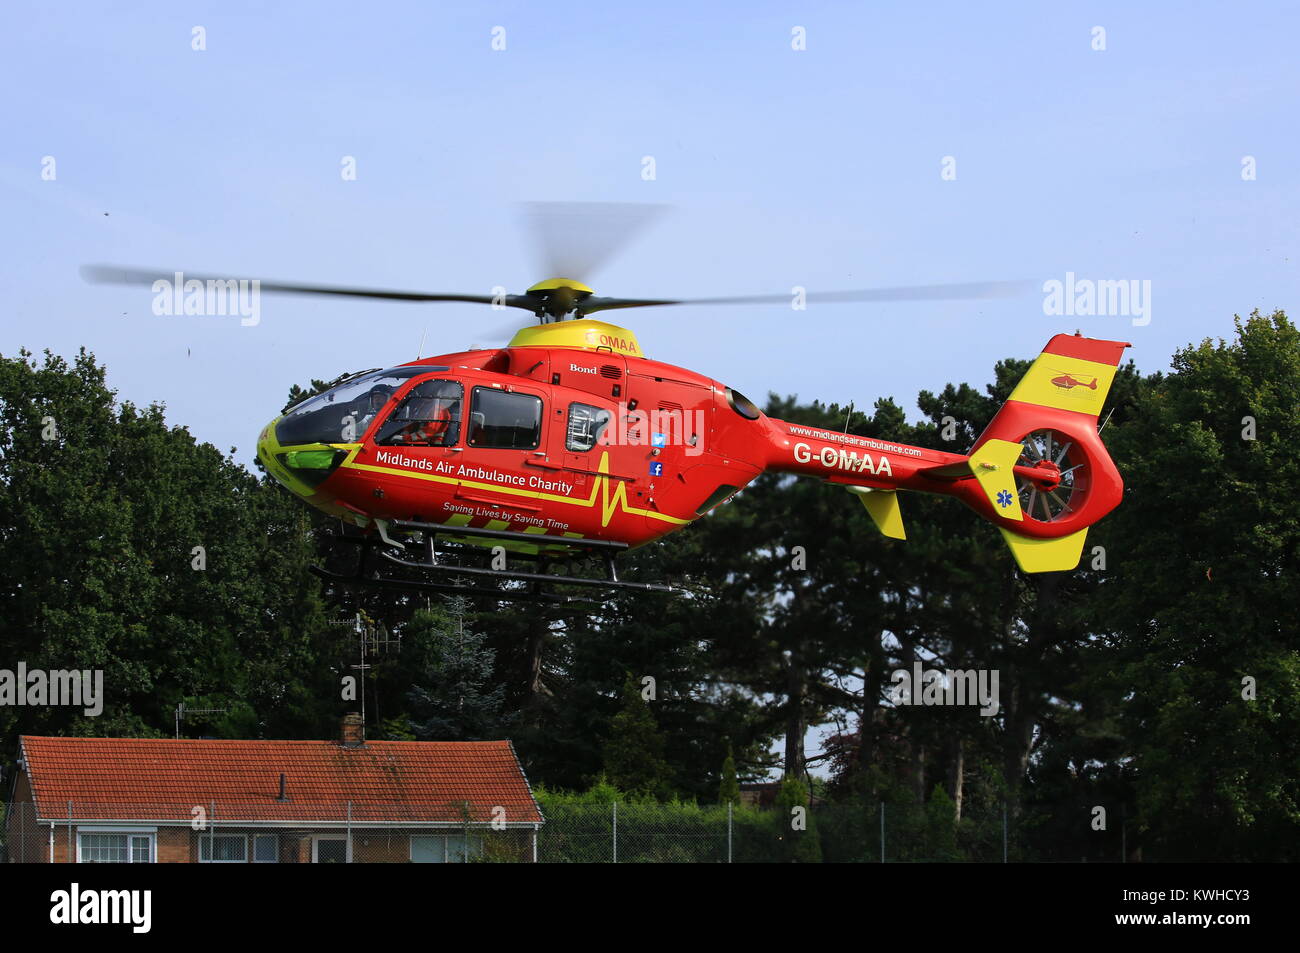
[765,793]
[143,800]
[759,793]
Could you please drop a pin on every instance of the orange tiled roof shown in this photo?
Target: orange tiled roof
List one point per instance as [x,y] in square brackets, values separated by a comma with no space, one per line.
[164,779]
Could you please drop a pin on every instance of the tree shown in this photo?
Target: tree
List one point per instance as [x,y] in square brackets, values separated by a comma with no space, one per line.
[669,639]
[634,759]
[456,697]
[941,826]
[800,842]
[1201,594]
[729,788]
[131,549]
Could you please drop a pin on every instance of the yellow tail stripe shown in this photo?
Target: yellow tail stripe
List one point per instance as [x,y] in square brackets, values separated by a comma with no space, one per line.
[1065,383]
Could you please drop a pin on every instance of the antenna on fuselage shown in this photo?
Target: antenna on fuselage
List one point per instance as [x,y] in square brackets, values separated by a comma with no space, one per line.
[423,335]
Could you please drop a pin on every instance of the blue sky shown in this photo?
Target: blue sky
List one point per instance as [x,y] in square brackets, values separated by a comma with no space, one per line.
[818,168]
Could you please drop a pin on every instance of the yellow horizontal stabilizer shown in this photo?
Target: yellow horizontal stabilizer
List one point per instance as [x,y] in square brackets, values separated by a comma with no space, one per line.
[884,509]
[1046,555]
[993,465]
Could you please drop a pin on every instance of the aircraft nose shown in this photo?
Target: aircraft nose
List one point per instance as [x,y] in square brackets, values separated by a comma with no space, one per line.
[266,445]
[298,467]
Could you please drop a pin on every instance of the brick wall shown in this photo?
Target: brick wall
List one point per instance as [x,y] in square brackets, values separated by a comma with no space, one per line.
[26,842]
[29,842]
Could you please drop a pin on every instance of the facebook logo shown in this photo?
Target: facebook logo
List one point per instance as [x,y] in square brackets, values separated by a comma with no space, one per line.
[656,468]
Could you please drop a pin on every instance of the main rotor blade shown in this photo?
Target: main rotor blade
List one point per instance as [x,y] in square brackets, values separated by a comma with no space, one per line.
[947,292]
[113,275]
[574,239]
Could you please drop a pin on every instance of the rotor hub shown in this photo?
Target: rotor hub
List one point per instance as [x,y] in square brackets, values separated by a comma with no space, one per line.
[558,297]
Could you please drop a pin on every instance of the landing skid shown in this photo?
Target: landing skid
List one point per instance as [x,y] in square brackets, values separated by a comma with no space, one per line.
[413,546]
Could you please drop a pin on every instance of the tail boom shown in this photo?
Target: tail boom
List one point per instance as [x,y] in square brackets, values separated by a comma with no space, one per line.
[1039,471]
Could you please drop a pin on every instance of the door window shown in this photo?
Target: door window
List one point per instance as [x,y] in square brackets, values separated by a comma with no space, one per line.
[505,420]
[330,851]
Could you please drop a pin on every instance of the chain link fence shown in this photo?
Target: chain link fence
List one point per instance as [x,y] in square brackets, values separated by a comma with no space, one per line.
[584,833]
[831,833]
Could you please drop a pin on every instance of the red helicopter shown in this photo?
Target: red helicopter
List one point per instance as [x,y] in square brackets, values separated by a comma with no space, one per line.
[1069,382]
[570,440]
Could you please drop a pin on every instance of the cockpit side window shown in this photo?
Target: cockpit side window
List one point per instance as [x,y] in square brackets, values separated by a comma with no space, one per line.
[429,416]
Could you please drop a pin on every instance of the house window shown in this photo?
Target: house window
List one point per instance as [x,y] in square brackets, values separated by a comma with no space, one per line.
[329,849]
[266,849]
[106,848]
[505,420]
[223,849]
[444,849]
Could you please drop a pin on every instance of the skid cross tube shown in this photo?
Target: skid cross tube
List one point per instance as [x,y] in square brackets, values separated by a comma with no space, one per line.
[613,583]
[407,585]
[607,549]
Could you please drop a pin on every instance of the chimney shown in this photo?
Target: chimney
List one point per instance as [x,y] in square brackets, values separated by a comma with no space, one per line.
[284,793]
[352,731]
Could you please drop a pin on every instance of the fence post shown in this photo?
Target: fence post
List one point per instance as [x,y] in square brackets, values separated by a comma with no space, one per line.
[1004,832]
[1123,834]
[728,832]
[616,832]
[882,832]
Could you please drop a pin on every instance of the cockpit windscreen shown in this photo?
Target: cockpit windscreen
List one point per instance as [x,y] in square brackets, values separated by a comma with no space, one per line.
[343,413]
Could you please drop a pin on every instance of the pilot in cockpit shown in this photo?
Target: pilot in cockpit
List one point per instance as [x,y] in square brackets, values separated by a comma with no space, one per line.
[374,401]
[429,417]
